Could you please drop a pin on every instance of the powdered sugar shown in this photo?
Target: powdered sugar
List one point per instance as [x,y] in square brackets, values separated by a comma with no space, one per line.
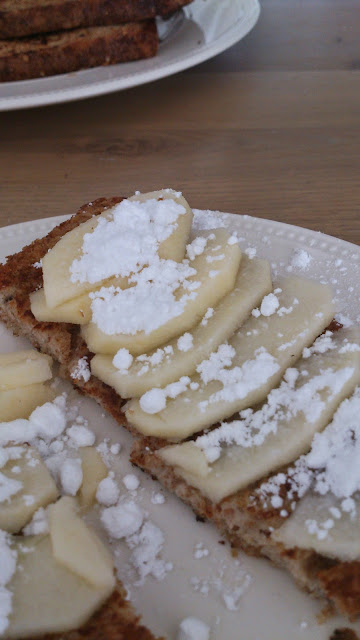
[196,247]
[193,629]
[237,382]
[185,342]
[147,544]
[300,259]
[154,400]
[123,360]
[207,316]
[269,305]
[80,436]
[71,476]
[335,452]
[107,492]
[127,241]
[131,482]
[82,370]
[147,305]
[282,403]
[122,520]
[7,569]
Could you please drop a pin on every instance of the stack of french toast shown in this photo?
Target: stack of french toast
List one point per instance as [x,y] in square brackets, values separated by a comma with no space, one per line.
[51,37]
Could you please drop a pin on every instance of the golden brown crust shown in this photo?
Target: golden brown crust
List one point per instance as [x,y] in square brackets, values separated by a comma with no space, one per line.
[28,17]
[31,17]
[67,51]
[165,8]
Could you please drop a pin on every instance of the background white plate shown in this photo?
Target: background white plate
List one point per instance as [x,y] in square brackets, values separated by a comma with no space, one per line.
[272,607]
[210,27]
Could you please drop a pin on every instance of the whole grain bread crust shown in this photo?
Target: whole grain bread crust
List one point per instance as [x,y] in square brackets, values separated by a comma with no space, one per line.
[67,51]
[31,17]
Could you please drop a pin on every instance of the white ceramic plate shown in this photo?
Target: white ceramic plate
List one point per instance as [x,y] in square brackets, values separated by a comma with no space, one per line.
[271,607]
[209,28]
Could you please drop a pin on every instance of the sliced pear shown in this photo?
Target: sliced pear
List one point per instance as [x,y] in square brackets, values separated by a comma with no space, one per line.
[19,403]
[252,283]
[173,248]
[21,368]
[264,347]
[48,597]
[313,526]
[56,264]
[37,489]
[77,548]
[279,432]
[76,311]
[94,470]
[216,271]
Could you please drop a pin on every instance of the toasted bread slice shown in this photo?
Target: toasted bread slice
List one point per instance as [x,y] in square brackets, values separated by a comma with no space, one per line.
[29,17]
[67,51]
[242,517]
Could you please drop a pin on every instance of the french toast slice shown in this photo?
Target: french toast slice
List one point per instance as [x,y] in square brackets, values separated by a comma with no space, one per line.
[241,517]
[81,48]
[29,17]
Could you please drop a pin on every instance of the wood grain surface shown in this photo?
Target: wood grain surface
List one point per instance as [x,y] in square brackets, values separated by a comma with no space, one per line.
[270,128]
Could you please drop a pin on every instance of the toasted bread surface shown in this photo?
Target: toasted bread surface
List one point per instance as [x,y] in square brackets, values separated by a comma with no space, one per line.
[67,51]
[29,17]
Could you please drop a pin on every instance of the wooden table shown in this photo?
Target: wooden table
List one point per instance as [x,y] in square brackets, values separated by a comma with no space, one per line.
[270,128]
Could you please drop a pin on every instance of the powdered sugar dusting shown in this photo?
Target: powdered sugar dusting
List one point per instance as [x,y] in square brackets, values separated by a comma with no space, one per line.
[8,559]
[82,370]
[127,240]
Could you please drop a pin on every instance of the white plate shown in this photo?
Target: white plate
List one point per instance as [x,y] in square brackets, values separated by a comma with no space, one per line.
[272,607]
[209,27]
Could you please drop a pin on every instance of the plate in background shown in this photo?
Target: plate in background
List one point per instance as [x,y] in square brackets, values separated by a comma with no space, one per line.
[209,28]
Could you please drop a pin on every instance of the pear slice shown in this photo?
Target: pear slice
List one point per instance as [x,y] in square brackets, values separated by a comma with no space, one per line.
[262,350]
[77,548]
[48,597]
[313,526]
[76,311]
[280,431]
[21,368]
[216,270]
[36,488]
[56,264]
[173,248]
[94,470]
[20,402]
[252,283]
